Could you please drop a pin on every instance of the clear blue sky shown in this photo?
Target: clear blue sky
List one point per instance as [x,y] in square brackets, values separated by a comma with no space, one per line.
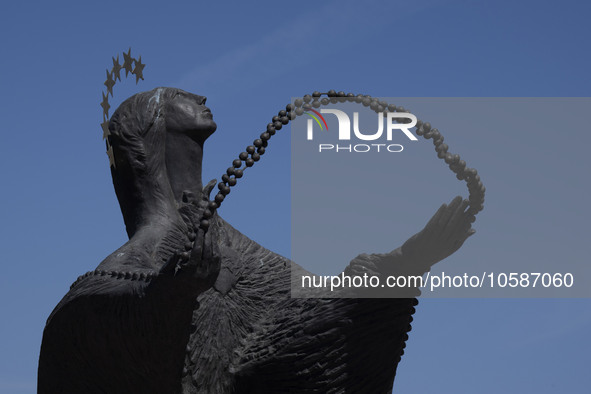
[60,218]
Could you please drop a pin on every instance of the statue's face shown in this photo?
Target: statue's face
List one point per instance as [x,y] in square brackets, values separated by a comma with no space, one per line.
[186,113]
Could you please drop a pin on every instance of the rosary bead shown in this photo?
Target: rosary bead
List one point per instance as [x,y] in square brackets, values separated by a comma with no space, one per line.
[275,118]
[380,109]
[341,94]
[325,101]
[232,181]
[316,94]
[278,125]
[291,115]
[261,150]
[225,178]
[207,214]
[257,143]
[331,93]
[290,107]
[239,173]
[307,98]
[374,105]
[250,149]
[284,120]
[225,191]
[383,104]
[271,129]
[435,134]
[427,126]
[204,224]
[462,165]
[442,148]
[221,186]
[237,163]
[243,156]
[392,108]
[448,157]
[230,171]
[350,95]
[282,113]
[213,205]
[299,111]
[366,102]
[441,154]
[256,156]
[315,103]
[306,106]
[298,102]
[249,162]
[265,144]
[334,100]
[265,136]
[219,197]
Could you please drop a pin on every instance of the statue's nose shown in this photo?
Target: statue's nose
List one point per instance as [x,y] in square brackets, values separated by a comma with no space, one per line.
[200,99]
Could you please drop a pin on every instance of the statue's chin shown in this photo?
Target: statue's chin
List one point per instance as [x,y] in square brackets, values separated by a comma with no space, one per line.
[206,128]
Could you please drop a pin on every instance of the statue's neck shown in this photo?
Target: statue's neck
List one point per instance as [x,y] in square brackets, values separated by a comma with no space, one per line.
[183,163]
[148,201]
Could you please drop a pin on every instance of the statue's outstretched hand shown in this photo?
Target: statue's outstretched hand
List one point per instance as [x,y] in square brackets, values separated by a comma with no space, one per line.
[200,266]
[442,236]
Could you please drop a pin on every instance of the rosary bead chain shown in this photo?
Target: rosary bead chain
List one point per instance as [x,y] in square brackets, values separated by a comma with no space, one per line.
[253,152]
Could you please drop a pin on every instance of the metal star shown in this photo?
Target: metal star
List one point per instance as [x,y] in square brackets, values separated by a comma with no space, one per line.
[109,83]
[105,104]
[139,67]
[116,68]
[127,62]
[105,126]
[111,156]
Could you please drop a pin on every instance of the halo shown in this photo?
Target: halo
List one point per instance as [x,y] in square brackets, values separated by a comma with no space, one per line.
[130,65]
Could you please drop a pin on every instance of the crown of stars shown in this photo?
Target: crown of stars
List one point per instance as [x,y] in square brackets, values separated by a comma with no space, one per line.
[131,65]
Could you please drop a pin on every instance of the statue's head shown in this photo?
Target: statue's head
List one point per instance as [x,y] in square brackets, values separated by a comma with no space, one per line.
[140,131]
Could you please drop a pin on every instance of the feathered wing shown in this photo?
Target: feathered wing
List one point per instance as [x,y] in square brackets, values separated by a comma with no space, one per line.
[250,336]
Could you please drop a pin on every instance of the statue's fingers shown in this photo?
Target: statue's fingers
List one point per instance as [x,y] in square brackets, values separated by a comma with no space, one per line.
[434,221]
[459,216]
[208,188]
[447,214]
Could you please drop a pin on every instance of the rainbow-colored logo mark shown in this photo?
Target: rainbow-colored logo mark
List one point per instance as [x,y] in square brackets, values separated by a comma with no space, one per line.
[316,118]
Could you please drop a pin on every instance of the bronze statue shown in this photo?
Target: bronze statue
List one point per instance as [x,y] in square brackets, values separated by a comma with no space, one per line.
[191,305]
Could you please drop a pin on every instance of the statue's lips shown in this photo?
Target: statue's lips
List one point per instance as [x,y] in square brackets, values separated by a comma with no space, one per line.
[208,112]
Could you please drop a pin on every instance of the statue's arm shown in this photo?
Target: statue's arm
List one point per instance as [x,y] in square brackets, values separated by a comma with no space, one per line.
[444,234]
